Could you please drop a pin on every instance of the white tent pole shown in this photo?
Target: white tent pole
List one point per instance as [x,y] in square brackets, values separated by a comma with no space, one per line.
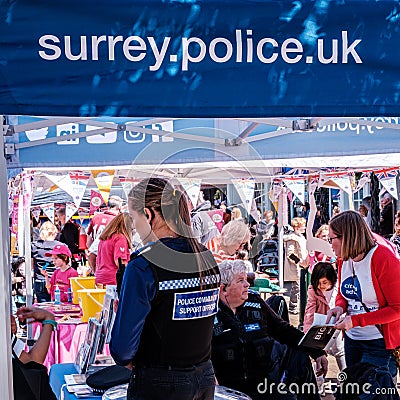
[282,221]
[20,231]
[27,254]
[5,281]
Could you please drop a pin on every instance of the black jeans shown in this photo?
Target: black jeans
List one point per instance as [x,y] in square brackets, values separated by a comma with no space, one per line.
[160,383]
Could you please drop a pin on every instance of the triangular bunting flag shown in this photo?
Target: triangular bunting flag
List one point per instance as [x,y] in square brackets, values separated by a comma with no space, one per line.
[95,201]
[245,189]
[387,178]
[362,181]
[104,180]
[296,186]
[343,182]
[48,210]
[70,210]
[35,210]
[390,185]
[217,217]
[79,183]
[127,183]
[192,188]
[62,181]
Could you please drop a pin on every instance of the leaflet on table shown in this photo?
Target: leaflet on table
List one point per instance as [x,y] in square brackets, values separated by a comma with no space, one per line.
[75,379]
[80,390]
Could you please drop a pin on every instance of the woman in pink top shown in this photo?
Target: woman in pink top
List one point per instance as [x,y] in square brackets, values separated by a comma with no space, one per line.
[115,243]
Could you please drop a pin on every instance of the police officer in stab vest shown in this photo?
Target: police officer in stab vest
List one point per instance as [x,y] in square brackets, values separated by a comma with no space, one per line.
[169,297]
[253,349]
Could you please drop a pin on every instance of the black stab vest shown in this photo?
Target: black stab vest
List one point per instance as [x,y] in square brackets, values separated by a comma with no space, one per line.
[241,348]
[178,330]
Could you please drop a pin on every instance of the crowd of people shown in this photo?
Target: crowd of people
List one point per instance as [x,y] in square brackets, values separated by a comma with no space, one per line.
[186,318]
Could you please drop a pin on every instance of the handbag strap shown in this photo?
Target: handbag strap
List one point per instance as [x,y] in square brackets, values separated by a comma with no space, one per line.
[379,327]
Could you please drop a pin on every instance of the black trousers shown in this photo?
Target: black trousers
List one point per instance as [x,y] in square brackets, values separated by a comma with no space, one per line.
[160,383]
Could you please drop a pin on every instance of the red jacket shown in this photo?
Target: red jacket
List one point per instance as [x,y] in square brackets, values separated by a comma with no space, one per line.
[385,272]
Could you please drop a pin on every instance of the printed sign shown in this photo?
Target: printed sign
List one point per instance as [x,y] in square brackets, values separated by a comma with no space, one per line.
[193,305]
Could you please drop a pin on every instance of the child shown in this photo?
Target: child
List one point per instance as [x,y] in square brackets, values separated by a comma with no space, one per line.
[61,257]
[321,297]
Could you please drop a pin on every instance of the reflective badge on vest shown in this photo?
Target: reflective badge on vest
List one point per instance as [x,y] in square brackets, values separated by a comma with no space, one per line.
[252,327]
[194,305]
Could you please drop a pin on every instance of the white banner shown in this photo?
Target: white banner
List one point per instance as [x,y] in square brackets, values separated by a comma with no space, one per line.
[296,186]
[245,188]
[192,188]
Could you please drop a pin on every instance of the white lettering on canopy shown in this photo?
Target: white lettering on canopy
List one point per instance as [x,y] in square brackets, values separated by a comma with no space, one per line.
[195,50]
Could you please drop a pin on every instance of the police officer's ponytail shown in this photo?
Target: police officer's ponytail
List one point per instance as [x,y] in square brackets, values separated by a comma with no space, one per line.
[159,195]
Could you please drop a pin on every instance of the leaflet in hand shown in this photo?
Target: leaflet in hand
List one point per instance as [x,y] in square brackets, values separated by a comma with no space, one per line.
[319,335]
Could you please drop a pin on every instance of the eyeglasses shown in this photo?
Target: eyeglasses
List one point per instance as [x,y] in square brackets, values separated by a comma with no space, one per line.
[331,238]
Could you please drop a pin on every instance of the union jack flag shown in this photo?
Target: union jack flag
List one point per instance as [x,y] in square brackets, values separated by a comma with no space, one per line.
[79,177]
[386,173]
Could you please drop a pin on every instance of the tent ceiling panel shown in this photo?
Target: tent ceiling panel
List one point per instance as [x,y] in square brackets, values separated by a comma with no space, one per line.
[122,141]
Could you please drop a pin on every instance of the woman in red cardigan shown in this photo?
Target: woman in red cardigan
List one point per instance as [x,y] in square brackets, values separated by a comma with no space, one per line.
[369,293]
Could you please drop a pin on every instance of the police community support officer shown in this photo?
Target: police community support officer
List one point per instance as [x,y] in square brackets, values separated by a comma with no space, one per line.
[169,296]
[253,349]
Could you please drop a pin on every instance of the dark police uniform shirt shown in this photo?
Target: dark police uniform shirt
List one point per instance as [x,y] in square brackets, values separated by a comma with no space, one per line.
[243,345]
[166,310]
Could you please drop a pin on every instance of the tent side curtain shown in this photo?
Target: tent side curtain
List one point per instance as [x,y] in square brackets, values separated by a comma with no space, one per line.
[199,59]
